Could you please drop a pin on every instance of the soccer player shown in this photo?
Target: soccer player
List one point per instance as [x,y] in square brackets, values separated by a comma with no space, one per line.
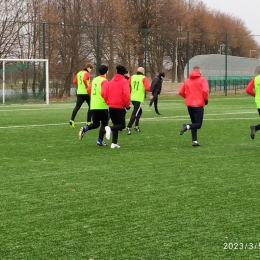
[253,89]
[127,74]
[117,95]
[82,80]
[156,88]
[98,106]
[138,84]
[195,90]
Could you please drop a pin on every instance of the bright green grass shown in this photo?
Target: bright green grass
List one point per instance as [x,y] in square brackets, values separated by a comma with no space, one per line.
[155,198]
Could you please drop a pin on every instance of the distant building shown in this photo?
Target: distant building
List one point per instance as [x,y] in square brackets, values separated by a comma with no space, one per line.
[213,66]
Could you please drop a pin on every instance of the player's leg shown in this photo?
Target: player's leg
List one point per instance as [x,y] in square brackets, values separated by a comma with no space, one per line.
[156,103]
[185,127]
[79,102]
[112,115]
[104,118]
[254,128]
[113,129]
[96,119]
[87,99]
[94,125]
[118,120]
[138,116]
[197,119]
[133,117]
[155,95]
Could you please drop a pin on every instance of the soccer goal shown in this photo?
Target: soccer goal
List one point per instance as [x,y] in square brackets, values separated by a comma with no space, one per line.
[24,81]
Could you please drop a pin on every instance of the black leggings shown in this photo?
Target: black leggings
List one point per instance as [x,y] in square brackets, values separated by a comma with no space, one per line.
[155,101]
[196,117]
[136,114]
[80,100]
[118,119]
[257,127]
[99,116]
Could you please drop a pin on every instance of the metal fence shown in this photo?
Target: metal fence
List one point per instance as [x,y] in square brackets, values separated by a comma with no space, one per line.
[69,47]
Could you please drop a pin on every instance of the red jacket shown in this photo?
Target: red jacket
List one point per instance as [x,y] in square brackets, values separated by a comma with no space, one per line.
[250,87]
[195,90]
[116,92]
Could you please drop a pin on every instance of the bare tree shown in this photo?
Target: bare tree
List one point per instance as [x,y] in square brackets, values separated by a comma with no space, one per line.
[131,32]
[149,14]
[11,12]
[107,35]
[69,46]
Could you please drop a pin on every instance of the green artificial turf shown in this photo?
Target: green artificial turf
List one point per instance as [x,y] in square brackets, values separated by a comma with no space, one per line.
[156,197]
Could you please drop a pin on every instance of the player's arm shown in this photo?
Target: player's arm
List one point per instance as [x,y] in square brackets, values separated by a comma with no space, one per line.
[75,80]
[182,90]
[154,84]
[146,84]
[104,84]
[250,88]
[205,90]
[104,89]
[126,94]
[89,88]
[86,78]
[129,82]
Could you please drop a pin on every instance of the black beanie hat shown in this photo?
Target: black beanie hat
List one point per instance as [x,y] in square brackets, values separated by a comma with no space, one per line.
[162,74]
[103,69]
[121,70]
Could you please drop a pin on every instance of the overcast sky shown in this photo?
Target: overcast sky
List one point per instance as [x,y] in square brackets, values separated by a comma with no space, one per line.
[246,10]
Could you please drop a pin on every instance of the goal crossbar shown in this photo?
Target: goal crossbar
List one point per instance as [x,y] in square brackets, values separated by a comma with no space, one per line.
[46,61]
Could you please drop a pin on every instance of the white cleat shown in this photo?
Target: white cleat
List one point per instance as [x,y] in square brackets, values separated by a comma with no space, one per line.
[81,133]
[128,130]
[113,146]
[108,132]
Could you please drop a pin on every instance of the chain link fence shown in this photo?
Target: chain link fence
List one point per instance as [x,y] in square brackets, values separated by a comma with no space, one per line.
[69,47]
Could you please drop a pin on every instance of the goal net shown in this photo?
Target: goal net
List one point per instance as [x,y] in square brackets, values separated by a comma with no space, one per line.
[24,81]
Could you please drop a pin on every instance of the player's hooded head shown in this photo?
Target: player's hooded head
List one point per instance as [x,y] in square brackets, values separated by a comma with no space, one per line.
[121,70]
[103,69]
[162,75]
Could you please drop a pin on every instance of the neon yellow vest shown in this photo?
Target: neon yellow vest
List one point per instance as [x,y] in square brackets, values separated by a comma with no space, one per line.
[257,91]
[137,88]
[96,100]
[81,86]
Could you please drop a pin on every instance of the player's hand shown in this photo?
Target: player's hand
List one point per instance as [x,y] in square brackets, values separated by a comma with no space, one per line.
[127,108]
[206,102]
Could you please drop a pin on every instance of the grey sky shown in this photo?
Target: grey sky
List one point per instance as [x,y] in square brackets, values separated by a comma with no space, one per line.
[247,11]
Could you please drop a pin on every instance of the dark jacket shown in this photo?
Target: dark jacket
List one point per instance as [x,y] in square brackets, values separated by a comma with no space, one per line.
[156,85]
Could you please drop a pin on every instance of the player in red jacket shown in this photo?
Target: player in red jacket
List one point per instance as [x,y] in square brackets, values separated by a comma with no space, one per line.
[117,96]
[195,90]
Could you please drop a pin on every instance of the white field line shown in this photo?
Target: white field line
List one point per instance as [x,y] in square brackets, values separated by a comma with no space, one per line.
[30,109]
[158,118]
[163,102]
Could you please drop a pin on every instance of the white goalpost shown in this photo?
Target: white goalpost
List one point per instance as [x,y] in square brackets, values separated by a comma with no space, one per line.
[42,64]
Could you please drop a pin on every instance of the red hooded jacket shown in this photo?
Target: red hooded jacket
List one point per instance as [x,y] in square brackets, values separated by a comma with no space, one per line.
[195,90]
[116,92]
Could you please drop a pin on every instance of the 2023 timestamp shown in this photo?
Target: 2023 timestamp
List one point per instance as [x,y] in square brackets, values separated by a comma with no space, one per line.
[241,246]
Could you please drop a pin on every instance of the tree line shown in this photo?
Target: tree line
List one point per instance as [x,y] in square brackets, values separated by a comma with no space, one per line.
[159,35]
